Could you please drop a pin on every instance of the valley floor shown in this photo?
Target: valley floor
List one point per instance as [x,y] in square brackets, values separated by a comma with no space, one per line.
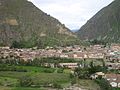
[9,80]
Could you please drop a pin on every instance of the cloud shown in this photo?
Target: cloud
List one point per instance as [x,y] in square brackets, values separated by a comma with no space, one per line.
[73,13]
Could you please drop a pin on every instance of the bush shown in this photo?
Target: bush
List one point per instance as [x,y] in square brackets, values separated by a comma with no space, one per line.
[104,84]
[73,81]
[26,81]
[11,68]
[56,85]
[60,70]
[49,70]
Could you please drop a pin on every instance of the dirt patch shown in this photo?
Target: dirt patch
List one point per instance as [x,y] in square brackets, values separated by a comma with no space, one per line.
[12,22]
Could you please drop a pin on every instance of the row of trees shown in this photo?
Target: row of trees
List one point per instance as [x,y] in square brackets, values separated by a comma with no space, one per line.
[36,61]
[5,67]
[96,41]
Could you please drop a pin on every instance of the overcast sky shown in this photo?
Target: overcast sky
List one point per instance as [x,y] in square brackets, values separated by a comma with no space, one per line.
[72,13]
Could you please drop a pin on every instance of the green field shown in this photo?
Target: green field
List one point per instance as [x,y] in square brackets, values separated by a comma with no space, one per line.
[37,77]
[27,88]
[12,74]
[116,89]
[36,69]
[88,84]
[40,76]
[20,88]
[5,88]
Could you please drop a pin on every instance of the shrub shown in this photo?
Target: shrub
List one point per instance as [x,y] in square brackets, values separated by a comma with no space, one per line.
[104,84]
[56,85]
[60,70]
[26,81]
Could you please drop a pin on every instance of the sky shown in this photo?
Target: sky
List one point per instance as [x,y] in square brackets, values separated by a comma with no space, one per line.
[72,13]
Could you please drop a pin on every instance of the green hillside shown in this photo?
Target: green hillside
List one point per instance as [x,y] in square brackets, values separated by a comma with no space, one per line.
[104,26]
[22,23]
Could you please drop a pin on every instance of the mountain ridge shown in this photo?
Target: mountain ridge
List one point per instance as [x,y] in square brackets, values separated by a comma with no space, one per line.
[104,25]
[21,21]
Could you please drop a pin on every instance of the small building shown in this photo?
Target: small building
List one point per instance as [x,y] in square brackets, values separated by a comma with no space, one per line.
[113,65]
[114,80]
[97,74]
[69,65]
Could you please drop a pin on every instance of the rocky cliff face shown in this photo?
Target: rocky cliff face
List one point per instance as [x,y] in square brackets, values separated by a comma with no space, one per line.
[105,25]
[22,22]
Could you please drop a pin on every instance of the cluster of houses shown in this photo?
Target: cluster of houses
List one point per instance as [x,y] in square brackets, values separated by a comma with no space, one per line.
[113,79]
[110,54]
[95,52]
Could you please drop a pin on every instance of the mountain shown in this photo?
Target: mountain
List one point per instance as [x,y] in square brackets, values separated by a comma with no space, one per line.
[74,30]
[105,25]
[23,24]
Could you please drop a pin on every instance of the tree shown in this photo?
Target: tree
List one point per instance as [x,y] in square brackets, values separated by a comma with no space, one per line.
[16,44]
[25,81]
[40,44]
[104,84]
[82,73]
[73,81]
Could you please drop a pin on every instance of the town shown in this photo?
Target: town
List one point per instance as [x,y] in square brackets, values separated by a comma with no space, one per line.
[111,54]
[97,53]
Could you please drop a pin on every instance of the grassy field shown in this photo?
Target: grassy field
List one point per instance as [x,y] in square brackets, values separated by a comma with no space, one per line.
[12,74]
[5,81]
[9,80]
[67,70]
[36,69]
[27,88]
[20,88]
[88,84]
[60,78]
[116,89]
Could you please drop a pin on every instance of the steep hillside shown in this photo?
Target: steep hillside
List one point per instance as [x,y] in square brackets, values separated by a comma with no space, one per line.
[24,24]
[105,25]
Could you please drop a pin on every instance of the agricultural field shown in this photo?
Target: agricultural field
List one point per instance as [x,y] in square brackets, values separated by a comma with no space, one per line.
[115,88]
[40,77]
[88,84]
[20,88]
